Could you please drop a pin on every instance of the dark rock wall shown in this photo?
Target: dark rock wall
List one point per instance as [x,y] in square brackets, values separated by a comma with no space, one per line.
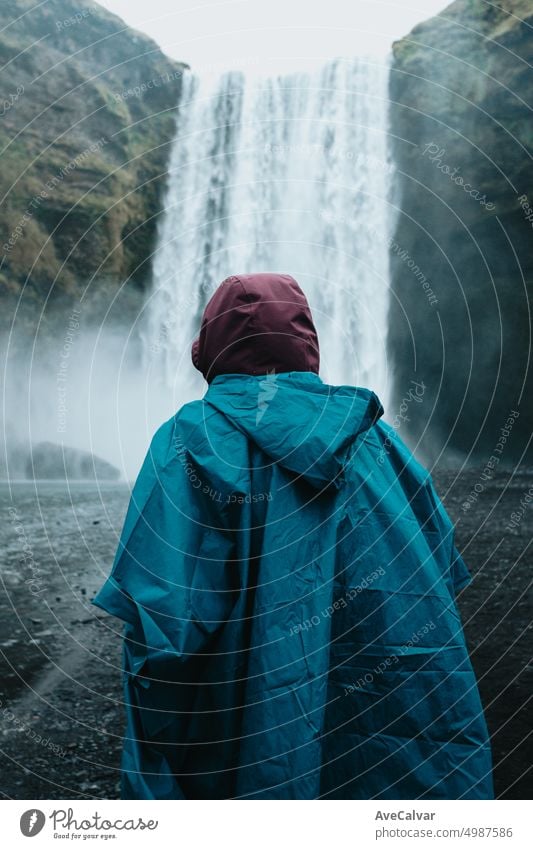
[87,120]
[461,257]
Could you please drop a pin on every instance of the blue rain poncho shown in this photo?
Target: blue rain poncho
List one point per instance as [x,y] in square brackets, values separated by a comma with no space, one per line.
[287,576]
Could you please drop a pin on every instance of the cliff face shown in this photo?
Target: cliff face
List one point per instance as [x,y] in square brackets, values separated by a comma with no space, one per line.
[461,257]
[86,122]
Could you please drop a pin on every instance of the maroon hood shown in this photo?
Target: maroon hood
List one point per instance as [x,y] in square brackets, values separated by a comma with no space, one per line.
[255,324]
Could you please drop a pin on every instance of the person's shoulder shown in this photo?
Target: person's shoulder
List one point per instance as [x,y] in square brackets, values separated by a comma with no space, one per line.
[188,417]
[197,417]
[392,449]
[197,424]
[192,412]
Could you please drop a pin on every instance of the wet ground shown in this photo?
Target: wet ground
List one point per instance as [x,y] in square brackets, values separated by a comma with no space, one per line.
[60,684]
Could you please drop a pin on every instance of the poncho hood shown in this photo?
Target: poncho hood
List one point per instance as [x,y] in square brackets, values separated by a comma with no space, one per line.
[255,324]
[302,424]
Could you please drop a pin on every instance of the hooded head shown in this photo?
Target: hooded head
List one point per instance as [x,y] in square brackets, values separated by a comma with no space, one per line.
[256,324]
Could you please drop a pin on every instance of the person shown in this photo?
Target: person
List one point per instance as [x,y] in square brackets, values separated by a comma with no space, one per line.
[287,576]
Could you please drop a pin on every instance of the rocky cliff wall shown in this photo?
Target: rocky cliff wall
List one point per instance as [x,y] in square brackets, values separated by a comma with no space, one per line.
[88,114]
[461,256]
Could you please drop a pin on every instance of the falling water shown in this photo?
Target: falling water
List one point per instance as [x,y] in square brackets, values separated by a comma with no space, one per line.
[291,174]
[287,173]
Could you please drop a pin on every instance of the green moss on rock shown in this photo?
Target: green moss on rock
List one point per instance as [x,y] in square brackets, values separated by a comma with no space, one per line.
[73,122]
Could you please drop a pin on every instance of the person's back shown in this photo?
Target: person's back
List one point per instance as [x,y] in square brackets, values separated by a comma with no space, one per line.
[288,575]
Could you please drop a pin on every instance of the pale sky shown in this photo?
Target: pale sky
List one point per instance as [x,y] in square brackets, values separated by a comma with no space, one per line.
[272,32]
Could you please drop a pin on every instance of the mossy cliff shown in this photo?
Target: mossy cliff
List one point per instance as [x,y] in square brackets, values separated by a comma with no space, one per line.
[88,115]
[462,140]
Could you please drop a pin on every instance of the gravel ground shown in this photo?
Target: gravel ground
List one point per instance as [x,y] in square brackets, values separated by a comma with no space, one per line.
[61,718]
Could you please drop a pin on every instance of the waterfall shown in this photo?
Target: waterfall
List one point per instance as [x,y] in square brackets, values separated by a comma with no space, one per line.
[288,173]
